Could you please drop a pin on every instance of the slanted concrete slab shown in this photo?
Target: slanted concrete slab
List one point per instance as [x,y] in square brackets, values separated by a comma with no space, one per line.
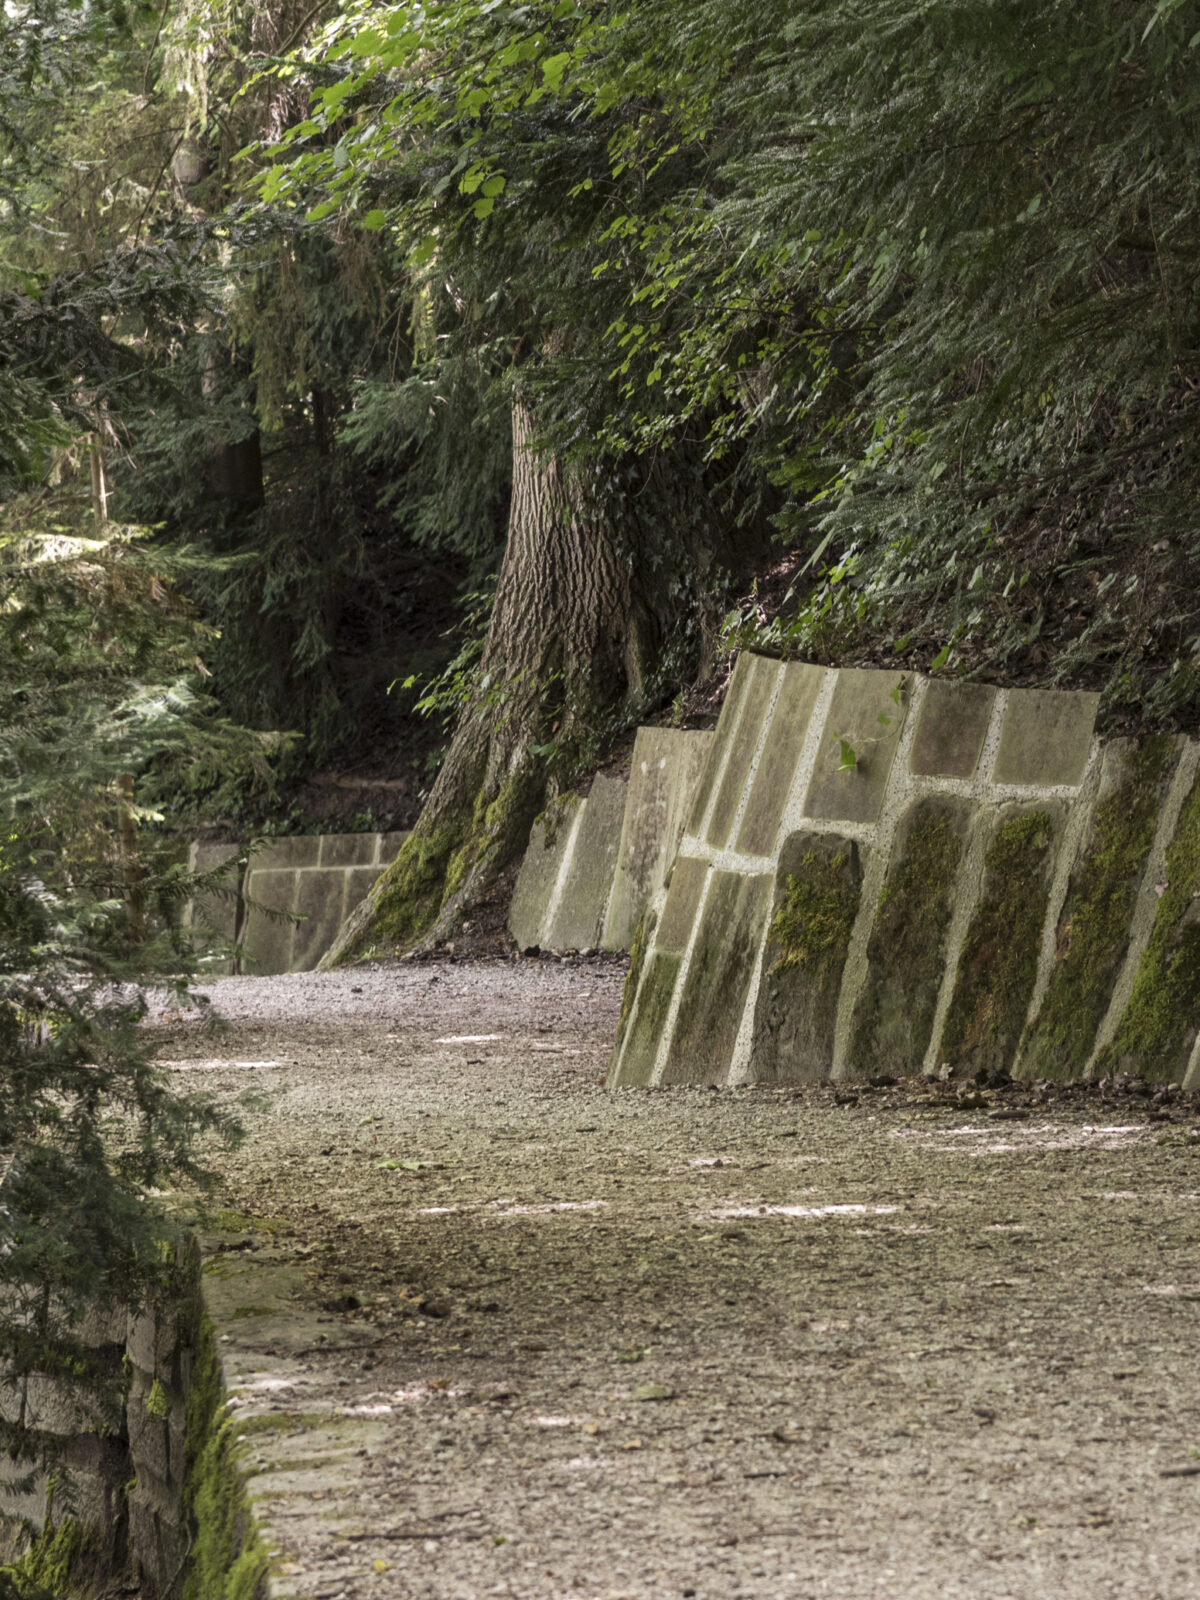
[1095,925]
[348,849]
[544,858]
[762,676]
[267,941]
[718,979]
[906,953]
[1047,736]
[785,739]
[727,722]
[815,902]
[576,922]
[950,735]
[320,896]
[637,1049]
[998,966]
[1158,1029]
[867,711]
[664,774]
[389,847]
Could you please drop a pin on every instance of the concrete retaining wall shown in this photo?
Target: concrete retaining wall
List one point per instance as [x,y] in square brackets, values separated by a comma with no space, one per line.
[887,873]
[320,877]
[594,864]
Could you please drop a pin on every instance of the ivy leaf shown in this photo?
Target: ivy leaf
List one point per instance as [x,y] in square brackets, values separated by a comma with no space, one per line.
[484,208]
[374,220]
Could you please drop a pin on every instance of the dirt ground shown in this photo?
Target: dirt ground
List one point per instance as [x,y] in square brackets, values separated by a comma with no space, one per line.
[907,1340]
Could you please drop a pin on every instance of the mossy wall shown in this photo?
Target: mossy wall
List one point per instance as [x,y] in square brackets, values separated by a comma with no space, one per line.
[998,966]
[816,901]
[1157,1031]
[1094,929]
[906,953]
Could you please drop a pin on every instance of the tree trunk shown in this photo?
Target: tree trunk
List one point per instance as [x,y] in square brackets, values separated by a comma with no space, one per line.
[586,600]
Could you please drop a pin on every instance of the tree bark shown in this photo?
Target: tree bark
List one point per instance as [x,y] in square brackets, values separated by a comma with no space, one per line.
[588,596]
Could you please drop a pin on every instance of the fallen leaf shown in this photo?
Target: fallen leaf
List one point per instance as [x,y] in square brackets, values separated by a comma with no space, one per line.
[653,1391]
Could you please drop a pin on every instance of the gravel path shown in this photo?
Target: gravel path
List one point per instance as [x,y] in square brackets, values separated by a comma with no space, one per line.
[499,1332]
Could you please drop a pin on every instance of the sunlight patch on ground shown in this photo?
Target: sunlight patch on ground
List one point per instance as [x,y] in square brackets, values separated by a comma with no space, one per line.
[508,1208]
[469,1038]
[802,1211]
[213,1064]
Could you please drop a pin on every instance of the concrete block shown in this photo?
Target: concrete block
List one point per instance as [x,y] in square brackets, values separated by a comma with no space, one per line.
[718,979]
[637,1049]
[1095,925]
[577,921]
[950,735]
[664,774]
[638,1052]
[726,723]
[1047,736]
[544,858]
[389,847]
[761,678]
[218,912]
[321,897]
[347,849]
[267,941]
[906,952]
[867,711]
[812,910]
[785,739]
[998,966]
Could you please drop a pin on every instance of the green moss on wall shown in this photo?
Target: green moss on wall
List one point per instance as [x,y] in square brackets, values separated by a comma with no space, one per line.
[817,896]
[906,954]
[998,966]
[1155,1035]
[1093,932]
[228,1559]
[813,921]
[59,1561]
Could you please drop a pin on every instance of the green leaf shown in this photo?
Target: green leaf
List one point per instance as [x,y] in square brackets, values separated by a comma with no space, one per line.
[374,220]
[484,208]
[940,659]
[553,68]
[494,185]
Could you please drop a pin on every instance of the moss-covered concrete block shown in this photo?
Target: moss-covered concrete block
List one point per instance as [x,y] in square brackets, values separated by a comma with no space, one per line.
[321,897]
[761,677]
[1046,737]
[731,708]
[540,868]
[576,922]
[718,979]
[267,940]
[952,730]
[1158,1028]
[1094,927]
[637,1046]
[998,966]
[772,784]
[816,897]
[858,746]
[906,953]
[665,771]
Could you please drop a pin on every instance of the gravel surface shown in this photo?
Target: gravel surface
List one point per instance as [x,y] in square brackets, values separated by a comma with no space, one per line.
[901,1341]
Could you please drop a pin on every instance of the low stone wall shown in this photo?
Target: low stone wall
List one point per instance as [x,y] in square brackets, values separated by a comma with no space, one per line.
[887,873]
[320,877]
[595,863]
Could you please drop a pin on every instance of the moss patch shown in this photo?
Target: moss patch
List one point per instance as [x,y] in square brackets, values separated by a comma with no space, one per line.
[999,962]
[408,896]
[59,1561]
[636,1060]
[816,901]
[893,1021]
[1093,933]
[1155,1035]
[228,1559]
